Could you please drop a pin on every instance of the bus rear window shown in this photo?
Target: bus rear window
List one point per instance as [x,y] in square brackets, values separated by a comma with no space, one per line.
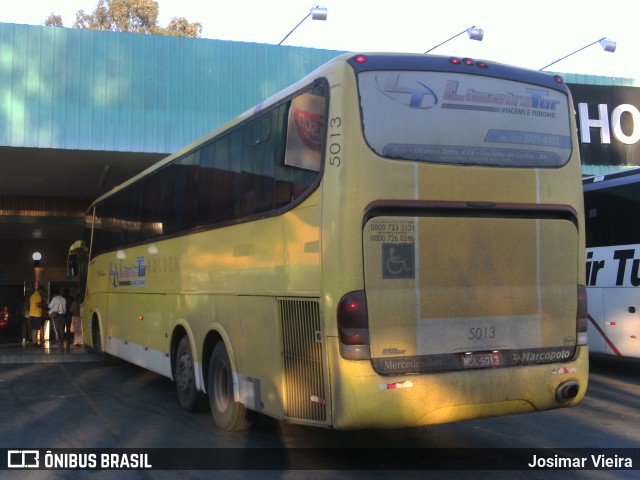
[464,119]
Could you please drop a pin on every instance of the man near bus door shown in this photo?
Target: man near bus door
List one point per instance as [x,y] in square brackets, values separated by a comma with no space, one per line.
[36,314]
[68,331]
[57,313]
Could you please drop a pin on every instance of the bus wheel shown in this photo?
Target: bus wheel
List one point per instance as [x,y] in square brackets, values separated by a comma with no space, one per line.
[189,397]
[227,413]
[96,338]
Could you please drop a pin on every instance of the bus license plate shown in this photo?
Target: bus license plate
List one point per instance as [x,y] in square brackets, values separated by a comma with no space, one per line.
[481,360]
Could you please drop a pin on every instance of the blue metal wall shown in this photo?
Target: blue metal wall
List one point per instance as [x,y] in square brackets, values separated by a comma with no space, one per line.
[76,89]
[89,90]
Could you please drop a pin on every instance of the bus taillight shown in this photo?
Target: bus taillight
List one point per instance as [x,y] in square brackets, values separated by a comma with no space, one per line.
[469,62]
[582,315]
[353,326]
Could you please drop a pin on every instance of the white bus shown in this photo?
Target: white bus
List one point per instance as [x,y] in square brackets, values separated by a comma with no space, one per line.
[395,240]
[612,206]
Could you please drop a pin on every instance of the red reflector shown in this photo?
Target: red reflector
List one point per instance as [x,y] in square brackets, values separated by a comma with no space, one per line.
[317,399]
[455,61]
[467,61]
[482,64]
[558,79]
[360,58]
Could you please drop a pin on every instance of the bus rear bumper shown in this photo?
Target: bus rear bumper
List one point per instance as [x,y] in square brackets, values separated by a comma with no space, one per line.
[364,399]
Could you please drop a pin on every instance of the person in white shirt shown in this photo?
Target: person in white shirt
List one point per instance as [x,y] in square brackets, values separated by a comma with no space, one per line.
[57,312]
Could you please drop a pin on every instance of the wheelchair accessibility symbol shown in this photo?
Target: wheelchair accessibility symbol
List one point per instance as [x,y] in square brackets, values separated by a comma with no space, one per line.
[398,260]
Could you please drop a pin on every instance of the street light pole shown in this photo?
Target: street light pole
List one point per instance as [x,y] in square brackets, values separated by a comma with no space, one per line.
[607,45]
[316,13]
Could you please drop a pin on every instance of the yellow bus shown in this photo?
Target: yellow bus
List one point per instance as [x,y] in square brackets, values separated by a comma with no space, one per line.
[395,240]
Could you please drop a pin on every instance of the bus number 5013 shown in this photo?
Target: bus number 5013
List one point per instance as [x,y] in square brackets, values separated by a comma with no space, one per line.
[482,333]
[334,146]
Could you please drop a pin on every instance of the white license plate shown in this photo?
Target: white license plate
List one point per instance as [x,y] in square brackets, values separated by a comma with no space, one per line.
[482,360]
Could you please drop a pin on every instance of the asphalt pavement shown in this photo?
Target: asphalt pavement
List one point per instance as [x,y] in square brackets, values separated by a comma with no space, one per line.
[14,351]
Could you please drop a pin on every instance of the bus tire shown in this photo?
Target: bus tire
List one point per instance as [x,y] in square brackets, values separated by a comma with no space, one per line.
[103,357]
[185,379]
[227,413]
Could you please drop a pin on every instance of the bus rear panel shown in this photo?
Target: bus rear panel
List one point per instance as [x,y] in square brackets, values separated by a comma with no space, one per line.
[469,212]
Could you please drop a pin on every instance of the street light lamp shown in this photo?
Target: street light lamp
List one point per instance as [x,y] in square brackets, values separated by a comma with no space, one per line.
[607,45]
[316,13]
[475,33]
[36,256]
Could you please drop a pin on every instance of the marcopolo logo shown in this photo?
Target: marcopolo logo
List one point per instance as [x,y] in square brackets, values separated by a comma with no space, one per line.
[23,459]
[541,355]
[547,356]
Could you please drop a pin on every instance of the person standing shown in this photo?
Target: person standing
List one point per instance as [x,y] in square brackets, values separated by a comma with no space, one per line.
[23,313]
[57,313]
[36,312]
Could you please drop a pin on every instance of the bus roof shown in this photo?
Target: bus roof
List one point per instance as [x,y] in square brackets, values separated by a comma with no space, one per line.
[372,61]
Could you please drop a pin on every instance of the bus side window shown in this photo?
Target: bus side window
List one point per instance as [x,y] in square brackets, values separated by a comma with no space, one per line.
[257,176]
[128,213]
[216,197]
[153,195]
[107,227]
[610,216]
[302,137]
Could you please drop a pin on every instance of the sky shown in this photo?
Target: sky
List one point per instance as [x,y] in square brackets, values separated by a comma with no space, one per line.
[526,34]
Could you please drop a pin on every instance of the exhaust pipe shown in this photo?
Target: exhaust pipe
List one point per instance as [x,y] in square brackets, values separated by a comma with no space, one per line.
[567,391]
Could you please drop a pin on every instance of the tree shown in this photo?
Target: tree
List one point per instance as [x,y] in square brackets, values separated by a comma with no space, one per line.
[137,16]
[180,27]
[54,21]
